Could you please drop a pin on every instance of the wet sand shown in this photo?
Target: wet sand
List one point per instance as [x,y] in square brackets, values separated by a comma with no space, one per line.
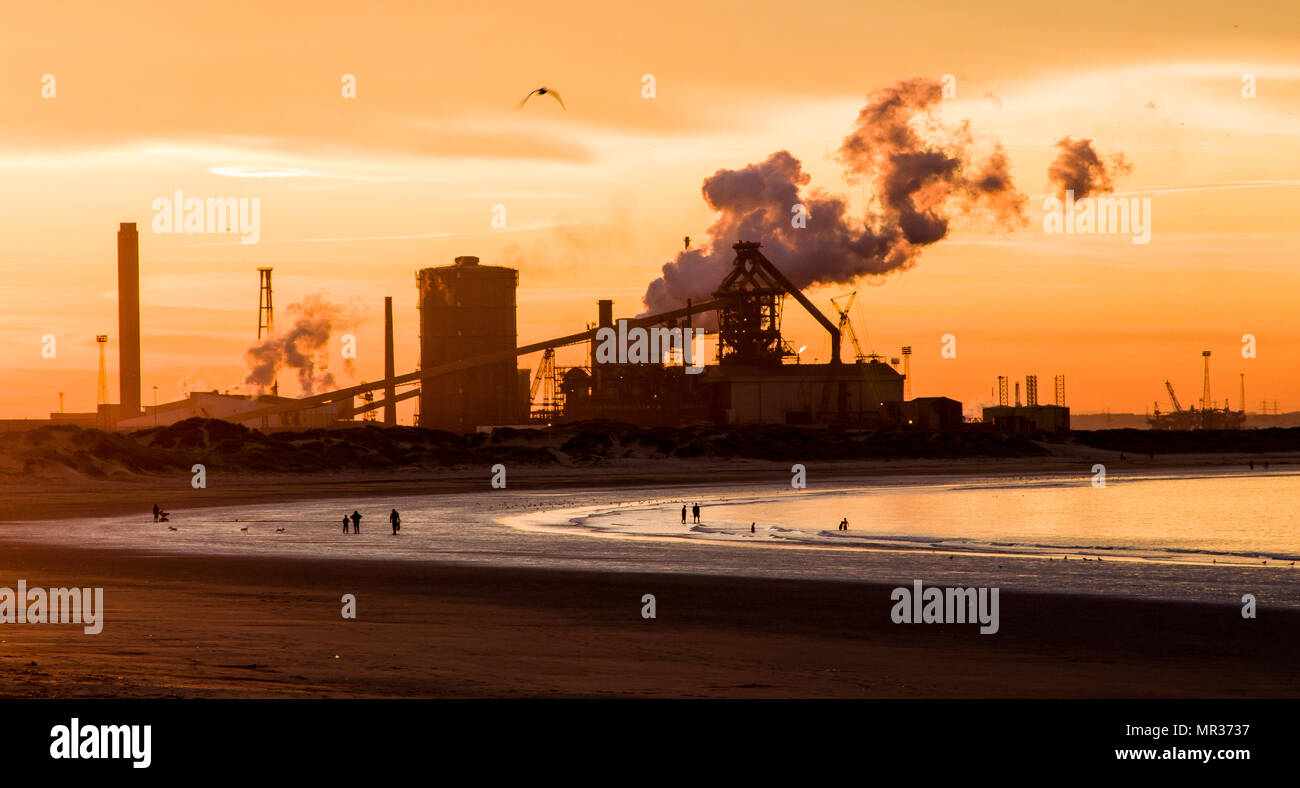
[183,626]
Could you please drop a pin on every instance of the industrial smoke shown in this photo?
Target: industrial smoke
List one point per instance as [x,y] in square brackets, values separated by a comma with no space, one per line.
[1079,169]
[298,348]
[922,174]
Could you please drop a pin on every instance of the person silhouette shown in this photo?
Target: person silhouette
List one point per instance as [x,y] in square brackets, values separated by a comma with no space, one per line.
[345,523]
[396,520]
[695,510]
[157,511]
[751,528]
[356,522]
[683,514]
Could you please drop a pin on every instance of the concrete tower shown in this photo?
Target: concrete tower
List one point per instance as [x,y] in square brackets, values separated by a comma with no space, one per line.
[468,310]
[390,364]
[128,320]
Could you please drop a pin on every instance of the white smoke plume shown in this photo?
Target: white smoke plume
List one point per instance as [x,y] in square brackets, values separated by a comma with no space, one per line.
[921,173]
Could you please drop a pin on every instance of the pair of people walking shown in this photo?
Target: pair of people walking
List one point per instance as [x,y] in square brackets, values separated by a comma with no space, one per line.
[695,512]
[355,520]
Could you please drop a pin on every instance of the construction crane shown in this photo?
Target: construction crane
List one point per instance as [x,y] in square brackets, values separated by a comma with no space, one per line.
[1173,397]
[546,382]
[846,325]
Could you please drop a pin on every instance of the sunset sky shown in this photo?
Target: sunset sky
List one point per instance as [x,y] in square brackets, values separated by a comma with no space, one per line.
[243,99]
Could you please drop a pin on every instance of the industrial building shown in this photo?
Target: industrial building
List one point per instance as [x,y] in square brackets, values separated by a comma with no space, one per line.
[215,405]
[1030,417]
[469,377]
[757,378]
[468,310]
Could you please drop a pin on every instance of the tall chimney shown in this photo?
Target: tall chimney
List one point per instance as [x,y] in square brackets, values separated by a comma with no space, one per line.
[128,320]
[390,365]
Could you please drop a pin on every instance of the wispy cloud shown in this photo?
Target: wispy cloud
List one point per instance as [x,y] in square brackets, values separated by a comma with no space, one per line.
[522,228]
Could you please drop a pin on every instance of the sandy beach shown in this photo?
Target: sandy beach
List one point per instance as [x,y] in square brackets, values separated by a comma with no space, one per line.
[247,626]
[229,627]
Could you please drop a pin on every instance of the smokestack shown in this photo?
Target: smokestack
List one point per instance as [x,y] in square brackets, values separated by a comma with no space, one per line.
[128,320]
[390,365]
[605,309]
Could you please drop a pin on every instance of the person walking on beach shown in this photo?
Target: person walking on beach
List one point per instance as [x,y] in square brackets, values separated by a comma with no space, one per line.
[751,528]
[157,511]
[396,520]
[356,522]
[683,514]
[695,511]
[345,523]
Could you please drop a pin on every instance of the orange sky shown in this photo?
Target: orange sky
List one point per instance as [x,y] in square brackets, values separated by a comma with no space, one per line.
[243,100]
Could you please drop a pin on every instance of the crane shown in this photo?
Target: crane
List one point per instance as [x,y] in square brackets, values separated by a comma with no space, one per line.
[1173,397]
[846,326]
[545,380]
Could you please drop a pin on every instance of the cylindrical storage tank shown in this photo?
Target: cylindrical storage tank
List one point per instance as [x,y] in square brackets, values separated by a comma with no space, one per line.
[468,310]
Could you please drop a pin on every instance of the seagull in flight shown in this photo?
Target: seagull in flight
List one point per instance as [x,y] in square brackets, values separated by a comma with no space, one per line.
[543,91]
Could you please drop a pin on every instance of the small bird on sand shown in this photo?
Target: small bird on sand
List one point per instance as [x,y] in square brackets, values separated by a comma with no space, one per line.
[245,529]
[279,530]
[172,528]
[543,91]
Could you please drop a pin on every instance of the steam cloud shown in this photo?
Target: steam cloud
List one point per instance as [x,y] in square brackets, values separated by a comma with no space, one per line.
[921,173]
[1078,168]
[297,349]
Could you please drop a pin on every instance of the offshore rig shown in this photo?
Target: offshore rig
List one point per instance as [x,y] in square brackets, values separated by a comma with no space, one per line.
[1206,417]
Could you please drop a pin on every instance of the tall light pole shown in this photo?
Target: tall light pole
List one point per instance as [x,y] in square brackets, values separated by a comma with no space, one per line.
[155,406]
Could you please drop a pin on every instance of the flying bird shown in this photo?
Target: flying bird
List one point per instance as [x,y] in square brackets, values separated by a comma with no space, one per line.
[543,91]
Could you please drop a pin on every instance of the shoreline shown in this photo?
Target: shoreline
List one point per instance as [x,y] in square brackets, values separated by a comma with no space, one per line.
[35,499]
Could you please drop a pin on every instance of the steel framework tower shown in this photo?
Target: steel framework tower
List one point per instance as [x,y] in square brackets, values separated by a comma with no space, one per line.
[1002,390]
[907,371]
[1206,402]
[265,310]
[1031,390]
[1060,391]
[266,313]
